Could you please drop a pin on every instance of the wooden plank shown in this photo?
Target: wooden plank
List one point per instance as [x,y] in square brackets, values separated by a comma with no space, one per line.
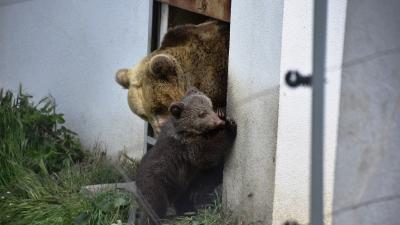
[220,9]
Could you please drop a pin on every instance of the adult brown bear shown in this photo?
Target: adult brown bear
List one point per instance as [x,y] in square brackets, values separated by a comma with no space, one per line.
[190,55]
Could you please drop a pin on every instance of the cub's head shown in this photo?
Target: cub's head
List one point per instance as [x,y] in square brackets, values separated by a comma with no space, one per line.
[194,114]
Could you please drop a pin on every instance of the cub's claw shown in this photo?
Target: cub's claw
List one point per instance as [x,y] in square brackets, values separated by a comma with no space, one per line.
[230,121]
[221,113]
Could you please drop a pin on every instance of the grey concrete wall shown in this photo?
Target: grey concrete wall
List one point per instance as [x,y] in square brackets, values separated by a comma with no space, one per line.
[367,178]
[72,49]
[253,90]
[292,176]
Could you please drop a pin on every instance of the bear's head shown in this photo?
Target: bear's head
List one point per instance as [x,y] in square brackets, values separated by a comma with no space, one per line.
[190,55]
[152,86]
[194,114]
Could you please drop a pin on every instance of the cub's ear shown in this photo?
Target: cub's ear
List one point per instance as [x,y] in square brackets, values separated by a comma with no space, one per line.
[176,109]
[163,65]
[122,78]
[192,90]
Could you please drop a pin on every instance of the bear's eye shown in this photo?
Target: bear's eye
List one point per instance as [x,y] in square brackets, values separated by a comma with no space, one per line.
[202,114]
[159,110]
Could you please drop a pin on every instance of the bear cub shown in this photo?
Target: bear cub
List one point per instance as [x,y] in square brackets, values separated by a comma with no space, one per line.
[193,140]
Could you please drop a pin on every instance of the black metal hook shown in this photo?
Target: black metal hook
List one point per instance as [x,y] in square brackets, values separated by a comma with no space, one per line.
[294,78]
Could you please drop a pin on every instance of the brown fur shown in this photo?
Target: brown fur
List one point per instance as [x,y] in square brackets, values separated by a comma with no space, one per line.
[190,55]
[194,140]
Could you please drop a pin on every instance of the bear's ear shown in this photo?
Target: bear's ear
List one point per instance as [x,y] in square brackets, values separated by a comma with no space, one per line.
[122,78]
[176,109]
[162,65]
[192,90]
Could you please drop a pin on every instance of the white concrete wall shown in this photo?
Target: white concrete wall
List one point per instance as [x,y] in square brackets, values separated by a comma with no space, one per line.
[72,49]
[367,177]
[292,179]
[253,88]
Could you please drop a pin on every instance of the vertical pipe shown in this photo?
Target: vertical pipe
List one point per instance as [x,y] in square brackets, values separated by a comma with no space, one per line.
[319,40]
[164,14]
[149,49]
[150,28]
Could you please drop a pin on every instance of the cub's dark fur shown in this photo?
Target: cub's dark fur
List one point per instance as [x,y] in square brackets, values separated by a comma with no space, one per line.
[194,140]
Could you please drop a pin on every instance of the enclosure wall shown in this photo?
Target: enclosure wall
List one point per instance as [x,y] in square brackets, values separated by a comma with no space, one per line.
[71,50]
[367,187]
[253,89]
[292,179]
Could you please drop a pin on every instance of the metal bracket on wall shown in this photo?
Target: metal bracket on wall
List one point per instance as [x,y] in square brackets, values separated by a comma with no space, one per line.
[294,79]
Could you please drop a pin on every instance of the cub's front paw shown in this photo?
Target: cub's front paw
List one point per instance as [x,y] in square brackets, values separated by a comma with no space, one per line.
[221,113]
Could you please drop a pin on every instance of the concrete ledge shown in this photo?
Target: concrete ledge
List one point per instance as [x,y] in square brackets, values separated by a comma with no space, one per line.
[128,186]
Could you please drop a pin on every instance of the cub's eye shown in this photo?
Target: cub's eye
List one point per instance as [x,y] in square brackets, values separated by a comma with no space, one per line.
[203,114]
